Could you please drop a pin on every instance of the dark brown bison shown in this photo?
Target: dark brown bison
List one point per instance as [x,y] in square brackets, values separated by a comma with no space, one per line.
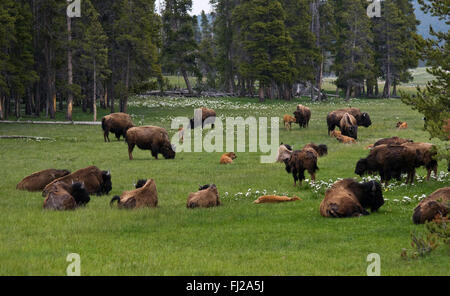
[117,123]
[348,198]
[95,180]
[298,162]
[284,152]
[426,155]
[392,140]
[334,118]
[390,161]
[62,196]
[153,138]
[302,115]
[206,113]
[348,126]
[206,197]
[437,203]
[320,149]
[143,196]
[37,181]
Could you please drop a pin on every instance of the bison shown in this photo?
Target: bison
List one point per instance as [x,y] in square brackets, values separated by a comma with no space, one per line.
[227,158]
[275,199]
[206,113]
[298,162]
[284,152]
[302,115]
[320,149]
[117,123]
[437,203]
[153,138]
[287,121]
[348,198]
[392,140]
[345,139]
[94,180]
[334,117]
[37,181]
[145,195]
[425,156]
[401,125]
[204,198]
[348,126]
[62,196]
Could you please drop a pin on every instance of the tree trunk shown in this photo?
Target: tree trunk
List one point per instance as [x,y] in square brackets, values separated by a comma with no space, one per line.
[2,115]
[186,80]
[69,71]
[347,92]
[261,93]
[94,105]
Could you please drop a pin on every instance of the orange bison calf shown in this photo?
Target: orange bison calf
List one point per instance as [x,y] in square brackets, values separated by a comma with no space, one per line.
[401,125]
[227,158]
[206,197]
[117,123]
[437,203]
[94,180]
[37,181]
[348,198]
[62,196]
[153,138]
[145,195]
[275,199]
[287,121]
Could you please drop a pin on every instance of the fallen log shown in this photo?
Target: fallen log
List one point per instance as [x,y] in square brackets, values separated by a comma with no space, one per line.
[26,137]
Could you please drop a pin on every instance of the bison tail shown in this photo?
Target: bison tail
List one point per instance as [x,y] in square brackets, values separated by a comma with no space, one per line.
[116,197]
[103,123]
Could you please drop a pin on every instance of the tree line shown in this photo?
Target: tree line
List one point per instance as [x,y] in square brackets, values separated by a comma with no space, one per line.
[263,48]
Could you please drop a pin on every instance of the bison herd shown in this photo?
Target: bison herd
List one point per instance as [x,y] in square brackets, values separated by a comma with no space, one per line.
[389,157]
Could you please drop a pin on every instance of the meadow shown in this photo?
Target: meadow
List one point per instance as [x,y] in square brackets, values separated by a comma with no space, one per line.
[237,238]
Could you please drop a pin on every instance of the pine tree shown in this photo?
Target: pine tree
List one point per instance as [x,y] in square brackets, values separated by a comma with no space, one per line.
[207,66]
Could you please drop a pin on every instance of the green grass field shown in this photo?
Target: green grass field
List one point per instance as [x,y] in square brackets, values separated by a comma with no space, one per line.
[237,238]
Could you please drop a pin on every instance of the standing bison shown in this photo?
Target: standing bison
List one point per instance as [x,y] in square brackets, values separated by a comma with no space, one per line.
[302,115]
[348,198]
[426,155]
[298,162]
[153,138]
[206,197]
[37,181]
[437,203]
[334,118]
[145,195]
[62,196]
[117,123]
[95,180]
[348,126]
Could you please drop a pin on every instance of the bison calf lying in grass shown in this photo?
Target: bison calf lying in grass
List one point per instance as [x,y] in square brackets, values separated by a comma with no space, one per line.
[153,138]
[206,197]
[436,204]
[334,118]
[145,195]
[117,123]
[401,125]
[227,158]
[298,162]
[348,198]
[275,199]
[94,180]
[62,196]
[37,181]
[302,115]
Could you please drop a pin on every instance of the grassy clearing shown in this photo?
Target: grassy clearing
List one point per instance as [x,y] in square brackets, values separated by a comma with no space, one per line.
[238,238]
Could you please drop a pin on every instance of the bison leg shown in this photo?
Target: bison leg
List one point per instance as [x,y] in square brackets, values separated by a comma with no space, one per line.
[154,151]
[106,135]
[118,136]
[130,151]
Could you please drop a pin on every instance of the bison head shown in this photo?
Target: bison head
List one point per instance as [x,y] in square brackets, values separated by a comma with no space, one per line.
[364,120]
[361,167]
[322,149]
[106,185]
[203,187]
[140,183]
[298,116]
[429,210]
[168,151]
[373,197]
[80,194]
[287,163]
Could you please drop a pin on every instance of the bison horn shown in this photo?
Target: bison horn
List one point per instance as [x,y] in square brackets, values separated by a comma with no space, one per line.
[108,173]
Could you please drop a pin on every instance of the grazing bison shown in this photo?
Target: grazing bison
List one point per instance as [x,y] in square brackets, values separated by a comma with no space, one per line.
[204,198]
[63,196]
[227,158]
[143,196]
[302,115]
[37,181]
[117,123]
[425,156]
[206,113]
[348,126]
[392,140]
[298,162]
[320,149]
[284,152]
[348,198]
[153,138]
[437,203]
[401,125]
[275,199]
[95,180]
[390,161]
[287,121]
[334,118]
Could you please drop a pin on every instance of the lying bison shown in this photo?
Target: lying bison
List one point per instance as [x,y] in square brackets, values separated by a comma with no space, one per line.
[117,123]
[153,138]
[95,180]
[348,126]
[348,198]
[302,115]
[206,113]
[37,181]
[206,197]
[392,140]
[437,203]
[334,118]
[145,195]
[298,162]
[62,196]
